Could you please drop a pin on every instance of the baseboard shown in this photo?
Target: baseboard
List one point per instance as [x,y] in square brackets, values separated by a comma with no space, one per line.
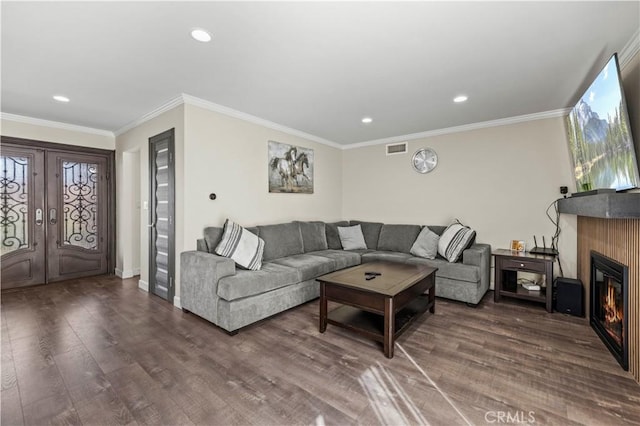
[176,302]
[136,271]
[143,285]
[126,274]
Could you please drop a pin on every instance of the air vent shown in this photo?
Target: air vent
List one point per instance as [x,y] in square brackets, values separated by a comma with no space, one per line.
[397,148]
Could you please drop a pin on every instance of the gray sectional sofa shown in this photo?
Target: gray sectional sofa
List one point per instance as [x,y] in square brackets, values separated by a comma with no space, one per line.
[295,254]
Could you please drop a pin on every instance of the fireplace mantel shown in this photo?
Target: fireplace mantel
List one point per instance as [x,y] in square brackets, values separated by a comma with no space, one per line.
[607,206]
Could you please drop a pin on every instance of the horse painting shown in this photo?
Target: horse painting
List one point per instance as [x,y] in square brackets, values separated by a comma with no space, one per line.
[290,168]
[301,162]
[286,168]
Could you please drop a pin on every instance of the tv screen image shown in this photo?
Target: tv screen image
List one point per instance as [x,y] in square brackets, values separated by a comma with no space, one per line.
[600,137]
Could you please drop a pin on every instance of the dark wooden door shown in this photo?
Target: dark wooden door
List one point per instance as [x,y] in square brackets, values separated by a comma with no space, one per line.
[77,215]
[22,206]
[161,215]
[56,212]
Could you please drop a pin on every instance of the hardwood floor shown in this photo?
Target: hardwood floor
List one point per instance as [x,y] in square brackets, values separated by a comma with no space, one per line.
[101,351]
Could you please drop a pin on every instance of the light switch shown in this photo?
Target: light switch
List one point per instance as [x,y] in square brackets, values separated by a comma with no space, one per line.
[145,205]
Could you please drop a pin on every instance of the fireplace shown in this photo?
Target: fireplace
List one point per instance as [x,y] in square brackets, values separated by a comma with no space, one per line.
[609,305]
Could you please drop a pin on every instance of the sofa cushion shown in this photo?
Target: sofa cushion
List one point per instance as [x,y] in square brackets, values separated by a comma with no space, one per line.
[314,237]
[244,247]
[371,232]
[343,259]
[281,240]
[454,271]
[333,239]
[308,266]
[250,283]
[212,237]
[398,238]
[389,256]
[351,237]
[426,245]
[454,240]
[437,229]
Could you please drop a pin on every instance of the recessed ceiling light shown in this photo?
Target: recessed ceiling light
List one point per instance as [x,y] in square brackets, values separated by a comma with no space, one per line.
[201,35]
[460,98]
[367,120]
[61,98]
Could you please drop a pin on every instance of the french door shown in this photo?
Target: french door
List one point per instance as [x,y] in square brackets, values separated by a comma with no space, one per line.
[55,213]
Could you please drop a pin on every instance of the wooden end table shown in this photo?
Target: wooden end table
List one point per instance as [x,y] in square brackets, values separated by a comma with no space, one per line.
[509,263]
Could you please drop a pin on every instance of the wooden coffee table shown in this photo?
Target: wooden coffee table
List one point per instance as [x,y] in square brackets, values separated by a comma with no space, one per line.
[381,308]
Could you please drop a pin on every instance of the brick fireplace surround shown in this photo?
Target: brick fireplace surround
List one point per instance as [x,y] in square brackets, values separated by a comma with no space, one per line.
[614,231]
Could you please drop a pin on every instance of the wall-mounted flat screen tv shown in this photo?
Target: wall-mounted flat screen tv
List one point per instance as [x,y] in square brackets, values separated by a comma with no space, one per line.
[600,137]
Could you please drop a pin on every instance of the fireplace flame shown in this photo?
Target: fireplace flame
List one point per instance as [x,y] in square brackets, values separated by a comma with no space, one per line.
[613,314]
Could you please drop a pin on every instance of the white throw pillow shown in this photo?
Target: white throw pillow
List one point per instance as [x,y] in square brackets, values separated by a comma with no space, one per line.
[243,246]
[426,245]
[454,240]
[351,237]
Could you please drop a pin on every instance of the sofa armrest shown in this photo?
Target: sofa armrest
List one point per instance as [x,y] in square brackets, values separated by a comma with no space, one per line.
[479,255]
[199,276]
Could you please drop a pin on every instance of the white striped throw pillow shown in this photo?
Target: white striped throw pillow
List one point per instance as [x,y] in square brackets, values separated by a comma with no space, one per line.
[243,246]
[454,240]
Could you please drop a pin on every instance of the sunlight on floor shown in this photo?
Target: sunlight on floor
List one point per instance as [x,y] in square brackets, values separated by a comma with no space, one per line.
[389,401]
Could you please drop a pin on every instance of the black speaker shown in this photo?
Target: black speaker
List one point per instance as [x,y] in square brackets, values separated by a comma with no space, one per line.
[568,296]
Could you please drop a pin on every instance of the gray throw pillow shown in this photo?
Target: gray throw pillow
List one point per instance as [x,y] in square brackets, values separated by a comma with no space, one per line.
[351,237]
[426,245]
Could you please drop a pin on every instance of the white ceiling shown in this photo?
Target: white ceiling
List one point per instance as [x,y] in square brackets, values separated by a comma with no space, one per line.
[314,67]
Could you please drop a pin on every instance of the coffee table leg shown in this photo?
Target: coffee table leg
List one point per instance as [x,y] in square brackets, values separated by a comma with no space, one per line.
[432,297]
[389,326]
[323,308]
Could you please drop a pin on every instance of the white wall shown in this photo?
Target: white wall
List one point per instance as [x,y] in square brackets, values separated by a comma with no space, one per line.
[498,180]
[228,156]
[18,129]
[134,191]
[219,154]
[129,223]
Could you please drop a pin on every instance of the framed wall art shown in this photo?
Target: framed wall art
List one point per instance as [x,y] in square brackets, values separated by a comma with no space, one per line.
[290,168]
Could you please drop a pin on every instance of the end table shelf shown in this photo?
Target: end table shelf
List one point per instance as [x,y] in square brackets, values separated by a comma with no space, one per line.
[509,263]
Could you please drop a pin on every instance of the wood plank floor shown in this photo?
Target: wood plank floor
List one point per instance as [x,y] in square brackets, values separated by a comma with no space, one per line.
[101,351]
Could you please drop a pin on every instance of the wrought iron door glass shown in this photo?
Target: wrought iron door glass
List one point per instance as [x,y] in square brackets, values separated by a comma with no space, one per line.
[14,193]
[80,196]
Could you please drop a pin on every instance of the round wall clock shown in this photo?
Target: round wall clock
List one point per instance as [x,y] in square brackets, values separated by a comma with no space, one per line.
[424,160]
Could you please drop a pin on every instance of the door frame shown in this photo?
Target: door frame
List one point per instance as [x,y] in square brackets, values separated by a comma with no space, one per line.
[171,268]
[110,177]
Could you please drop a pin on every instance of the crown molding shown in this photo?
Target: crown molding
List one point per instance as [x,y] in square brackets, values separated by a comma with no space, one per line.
[211,106]
[201,103]
[55,124]
[464,128]
[630,49]
[171,104]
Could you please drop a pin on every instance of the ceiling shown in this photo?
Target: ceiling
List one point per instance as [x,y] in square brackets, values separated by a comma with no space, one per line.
[316,67]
